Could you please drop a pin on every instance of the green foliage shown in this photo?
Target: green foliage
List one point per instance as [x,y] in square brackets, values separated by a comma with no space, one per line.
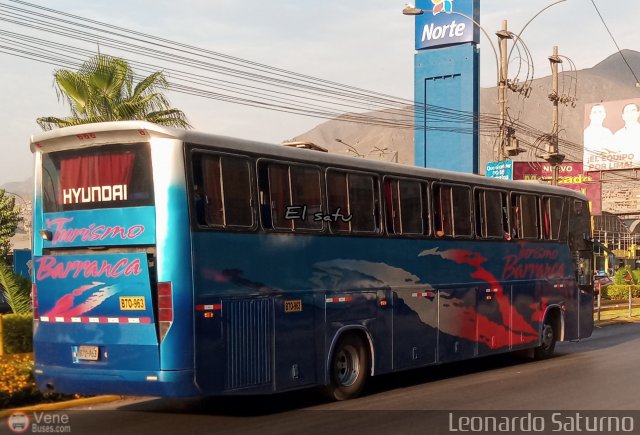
[619,292]
[9,219]
[17,384]
[17,333]
[621,277]
[103,90]
[16,290]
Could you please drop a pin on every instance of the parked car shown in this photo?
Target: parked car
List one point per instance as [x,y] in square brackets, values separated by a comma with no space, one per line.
[600,281]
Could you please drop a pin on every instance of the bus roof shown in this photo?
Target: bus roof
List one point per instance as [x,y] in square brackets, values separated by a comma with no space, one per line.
[130,131]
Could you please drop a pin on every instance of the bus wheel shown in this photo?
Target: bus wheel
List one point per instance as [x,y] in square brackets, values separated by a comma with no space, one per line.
[548,342]
[349,368]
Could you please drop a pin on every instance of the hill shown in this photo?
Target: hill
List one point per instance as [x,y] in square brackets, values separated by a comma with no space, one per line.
[606,81]
[22,188]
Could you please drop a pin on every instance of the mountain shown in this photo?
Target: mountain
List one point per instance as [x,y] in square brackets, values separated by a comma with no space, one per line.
[615,69]
[607,81]
[23,189]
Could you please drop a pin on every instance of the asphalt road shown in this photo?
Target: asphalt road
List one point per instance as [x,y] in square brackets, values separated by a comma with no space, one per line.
[601,373]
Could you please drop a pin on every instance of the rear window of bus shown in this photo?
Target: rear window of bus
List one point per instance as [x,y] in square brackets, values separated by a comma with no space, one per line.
[107,176]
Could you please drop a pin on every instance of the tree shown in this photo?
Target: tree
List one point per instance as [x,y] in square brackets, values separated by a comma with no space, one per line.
[9,218]
[16,290]
[103,90]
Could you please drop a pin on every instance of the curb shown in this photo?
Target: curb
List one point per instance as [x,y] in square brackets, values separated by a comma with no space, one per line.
[604,323]
[56,406]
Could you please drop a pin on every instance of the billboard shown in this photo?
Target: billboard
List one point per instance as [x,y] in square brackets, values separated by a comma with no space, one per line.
[612,135]
[447,22]
[571,175]
[621,198]
[502,170]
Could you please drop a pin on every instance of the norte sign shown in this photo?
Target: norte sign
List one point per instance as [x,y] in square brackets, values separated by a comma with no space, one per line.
[447,22]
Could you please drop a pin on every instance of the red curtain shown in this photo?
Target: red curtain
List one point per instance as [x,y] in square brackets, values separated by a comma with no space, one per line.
[96,170]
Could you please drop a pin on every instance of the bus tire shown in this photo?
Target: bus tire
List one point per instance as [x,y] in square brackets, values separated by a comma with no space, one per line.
[348,369]
[547,341]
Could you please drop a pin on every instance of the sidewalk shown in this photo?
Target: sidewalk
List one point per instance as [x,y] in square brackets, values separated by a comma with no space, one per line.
[56,406]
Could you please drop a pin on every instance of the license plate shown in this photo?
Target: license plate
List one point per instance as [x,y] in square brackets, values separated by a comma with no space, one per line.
[88,353]
[129,303]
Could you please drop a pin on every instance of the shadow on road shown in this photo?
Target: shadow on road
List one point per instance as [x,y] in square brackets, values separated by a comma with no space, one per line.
[253,406]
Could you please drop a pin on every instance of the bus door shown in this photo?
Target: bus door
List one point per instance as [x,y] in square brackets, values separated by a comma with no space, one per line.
[415,327]
[581,248]
[584,271]
[457,323]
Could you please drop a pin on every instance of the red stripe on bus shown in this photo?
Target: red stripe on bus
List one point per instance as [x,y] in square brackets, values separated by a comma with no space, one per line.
[212,307]
[339,299]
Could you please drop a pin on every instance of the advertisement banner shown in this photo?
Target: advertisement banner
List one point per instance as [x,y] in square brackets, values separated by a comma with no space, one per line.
[612,135]
[447,22]
[621,197]
[571,175]
[502,170]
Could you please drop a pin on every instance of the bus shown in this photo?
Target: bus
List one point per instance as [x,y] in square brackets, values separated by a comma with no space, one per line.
[179,263]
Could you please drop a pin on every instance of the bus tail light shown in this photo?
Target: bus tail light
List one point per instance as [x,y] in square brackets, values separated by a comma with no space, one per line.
[165,308]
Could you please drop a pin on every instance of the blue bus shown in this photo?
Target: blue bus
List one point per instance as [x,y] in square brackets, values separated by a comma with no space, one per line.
[178,263]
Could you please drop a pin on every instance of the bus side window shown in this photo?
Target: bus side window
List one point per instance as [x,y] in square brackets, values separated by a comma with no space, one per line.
[411,207]
[530,215]
[362,203]
[452,211]
[404,200]
[553,212]
[212,195]
[426,215]
[263,196]
[305,192]
[338,200]
[516,229]
[223,195]
[279,196]
[438,216]
[489,214]
[352,202]
[460,209]
[391,204]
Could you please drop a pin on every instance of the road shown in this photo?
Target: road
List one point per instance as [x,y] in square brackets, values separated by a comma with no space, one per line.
[600,373]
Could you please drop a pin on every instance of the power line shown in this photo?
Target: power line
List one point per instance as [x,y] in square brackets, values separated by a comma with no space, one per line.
[615,42]
[247,83]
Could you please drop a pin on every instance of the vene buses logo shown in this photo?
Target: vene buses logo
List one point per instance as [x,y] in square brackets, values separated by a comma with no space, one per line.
[18,422]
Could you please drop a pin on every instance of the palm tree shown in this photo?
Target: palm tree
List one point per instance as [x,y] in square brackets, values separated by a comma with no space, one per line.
[103,90]
[16,290]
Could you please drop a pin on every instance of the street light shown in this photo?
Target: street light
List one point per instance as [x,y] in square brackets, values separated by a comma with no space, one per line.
[350,148]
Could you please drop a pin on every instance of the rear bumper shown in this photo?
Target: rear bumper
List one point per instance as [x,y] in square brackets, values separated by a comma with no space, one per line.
[175,383]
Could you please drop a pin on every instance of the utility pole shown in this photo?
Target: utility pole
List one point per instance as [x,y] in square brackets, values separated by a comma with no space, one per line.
[505,136]
[553,157]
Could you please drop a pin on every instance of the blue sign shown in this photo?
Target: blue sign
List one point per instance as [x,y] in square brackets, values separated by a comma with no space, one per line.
[22,262]
[447,22]
[502,170]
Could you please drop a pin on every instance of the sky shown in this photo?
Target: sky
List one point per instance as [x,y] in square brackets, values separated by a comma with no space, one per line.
[364,43]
